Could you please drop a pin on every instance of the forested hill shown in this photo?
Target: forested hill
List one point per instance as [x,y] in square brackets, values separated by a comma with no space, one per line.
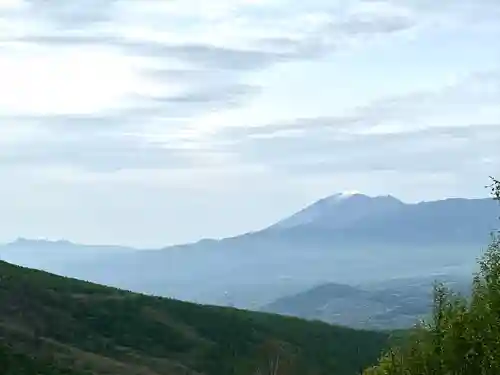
[50,325]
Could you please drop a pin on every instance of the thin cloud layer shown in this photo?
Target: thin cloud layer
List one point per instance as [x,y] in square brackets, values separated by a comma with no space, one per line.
[213,95]
[139,65]
[117,62]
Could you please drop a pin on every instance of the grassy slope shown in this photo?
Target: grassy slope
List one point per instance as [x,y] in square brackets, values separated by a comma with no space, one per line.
[50,323]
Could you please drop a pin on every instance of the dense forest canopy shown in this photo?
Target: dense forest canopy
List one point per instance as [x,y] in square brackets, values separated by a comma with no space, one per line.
[50,325]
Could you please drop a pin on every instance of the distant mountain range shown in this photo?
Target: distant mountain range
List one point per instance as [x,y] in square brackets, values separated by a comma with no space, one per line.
[345,238]
[385,219]
[56,255]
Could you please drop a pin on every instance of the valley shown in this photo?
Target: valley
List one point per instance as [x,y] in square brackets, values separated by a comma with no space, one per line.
[354,240]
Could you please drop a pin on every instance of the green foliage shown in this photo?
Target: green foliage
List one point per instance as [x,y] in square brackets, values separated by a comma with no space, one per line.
[462,336]
[495,188]
[14,363]
[58,323]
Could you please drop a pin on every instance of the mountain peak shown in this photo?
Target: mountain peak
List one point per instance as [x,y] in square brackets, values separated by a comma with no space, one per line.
[351,196]
[339,209]
[347,194]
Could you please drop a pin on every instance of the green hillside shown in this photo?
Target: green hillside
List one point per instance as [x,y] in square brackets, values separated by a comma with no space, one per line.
[50,325]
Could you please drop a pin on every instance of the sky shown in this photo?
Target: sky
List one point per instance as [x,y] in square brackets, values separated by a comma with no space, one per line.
[154,122]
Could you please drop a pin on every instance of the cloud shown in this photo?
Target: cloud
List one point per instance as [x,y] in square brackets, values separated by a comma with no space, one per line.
[455,128]
[135,76]
[446,149]
[75,69]
[101,150]
[466,100]
[62,14]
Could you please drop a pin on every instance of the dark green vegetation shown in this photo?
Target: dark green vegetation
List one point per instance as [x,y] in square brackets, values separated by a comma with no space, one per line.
[13,362]
[50,325]
[462,337]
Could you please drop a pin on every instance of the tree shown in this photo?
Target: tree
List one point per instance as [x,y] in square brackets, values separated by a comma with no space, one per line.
[275,358]
[462,336]
[495,188]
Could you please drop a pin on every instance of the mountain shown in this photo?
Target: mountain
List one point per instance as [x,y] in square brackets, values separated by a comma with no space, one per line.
[340,211]
[396,304]
[50,325]
[360,219]
[56,255]
[346,239]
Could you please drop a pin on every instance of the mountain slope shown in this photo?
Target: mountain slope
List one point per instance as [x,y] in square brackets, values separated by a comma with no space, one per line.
[61,325]
[340,211]
[397,304]
[348,239]
[359,218]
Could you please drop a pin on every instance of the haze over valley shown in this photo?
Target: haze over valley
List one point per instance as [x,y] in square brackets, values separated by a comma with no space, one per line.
[350,239]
